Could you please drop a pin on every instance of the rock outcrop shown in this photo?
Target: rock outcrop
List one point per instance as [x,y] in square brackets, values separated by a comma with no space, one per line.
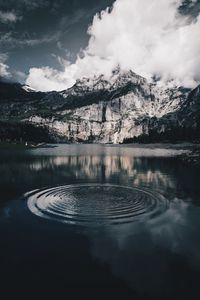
[102,110]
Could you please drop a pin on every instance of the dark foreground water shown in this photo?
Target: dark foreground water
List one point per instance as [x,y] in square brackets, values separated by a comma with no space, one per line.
[98,222]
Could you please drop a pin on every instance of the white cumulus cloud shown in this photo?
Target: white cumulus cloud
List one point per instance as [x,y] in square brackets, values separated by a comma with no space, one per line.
[149,37]
[4,68]
[8,17]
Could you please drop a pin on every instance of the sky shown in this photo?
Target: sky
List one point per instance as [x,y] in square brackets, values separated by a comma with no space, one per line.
[50,44]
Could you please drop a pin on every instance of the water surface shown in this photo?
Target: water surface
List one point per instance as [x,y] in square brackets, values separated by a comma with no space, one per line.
[99,222]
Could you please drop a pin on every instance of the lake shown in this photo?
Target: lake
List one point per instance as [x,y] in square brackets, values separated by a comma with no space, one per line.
[99,222]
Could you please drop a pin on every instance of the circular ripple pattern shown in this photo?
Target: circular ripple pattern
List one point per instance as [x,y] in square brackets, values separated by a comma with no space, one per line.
[94,204]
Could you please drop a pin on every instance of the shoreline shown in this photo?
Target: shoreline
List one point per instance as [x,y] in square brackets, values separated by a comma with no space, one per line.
[190,157]
[179,145]
[21,145]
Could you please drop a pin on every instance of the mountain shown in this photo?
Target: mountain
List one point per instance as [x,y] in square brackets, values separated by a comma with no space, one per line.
[13,92]
[189,113]
[117,109]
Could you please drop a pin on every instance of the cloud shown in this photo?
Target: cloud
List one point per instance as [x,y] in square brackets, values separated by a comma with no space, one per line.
[46,79]
[4,69]
[34,4]
[7,39]
[6,73]
[18,76]
[24,4]
[151,38]
[8,17]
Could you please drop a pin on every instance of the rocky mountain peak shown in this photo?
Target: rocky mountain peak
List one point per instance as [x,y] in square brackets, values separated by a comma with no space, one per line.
[102,109]
[122,78]
[118,79]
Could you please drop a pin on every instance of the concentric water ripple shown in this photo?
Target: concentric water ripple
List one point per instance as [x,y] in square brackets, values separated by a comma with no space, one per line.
[93,204]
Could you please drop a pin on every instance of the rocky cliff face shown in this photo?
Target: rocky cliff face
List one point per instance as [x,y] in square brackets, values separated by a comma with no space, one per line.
[105,110]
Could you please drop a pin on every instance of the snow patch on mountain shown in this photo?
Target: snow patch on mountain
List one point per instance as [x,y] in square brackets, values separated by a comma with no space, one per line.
[28,89]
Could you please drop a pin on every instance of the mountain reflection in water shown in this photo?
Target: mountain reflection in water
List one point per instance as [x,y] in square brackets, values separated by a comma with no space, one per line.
[139,245]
